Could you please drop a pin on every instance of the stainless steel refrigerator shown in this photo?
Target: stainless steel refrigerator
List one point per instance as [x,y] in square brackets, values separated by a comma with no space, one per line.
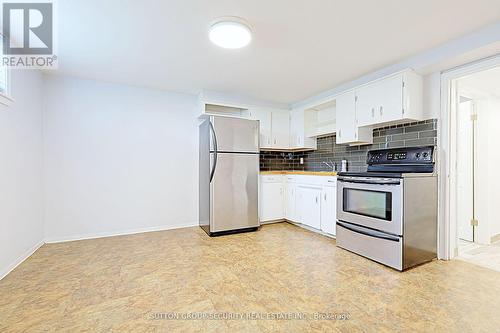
[229,175]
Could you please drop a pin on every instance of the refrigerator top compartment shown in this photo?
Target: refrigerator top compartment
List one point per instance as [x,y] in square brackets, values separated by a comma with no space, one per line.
[235,135]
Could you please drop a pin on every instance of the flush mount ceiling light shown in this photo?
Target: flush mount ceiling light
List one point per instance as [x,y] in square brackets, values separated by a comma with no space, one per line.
[230,33]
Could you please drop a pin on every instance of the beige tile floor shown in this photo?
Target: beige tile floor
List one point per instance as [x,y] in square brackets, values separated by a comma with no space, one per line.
[483,255]
[117,285]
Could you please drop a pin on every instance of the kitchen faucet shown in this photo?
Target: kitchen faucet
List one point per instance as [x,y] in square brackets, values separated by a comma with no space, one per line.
[330,164]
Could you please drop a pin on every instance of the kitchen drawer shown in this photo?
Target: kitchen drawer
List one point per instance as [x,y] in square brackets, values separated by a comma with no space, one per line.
[271,178]
[291,178]
[317,180]
[371,244]
[328,181]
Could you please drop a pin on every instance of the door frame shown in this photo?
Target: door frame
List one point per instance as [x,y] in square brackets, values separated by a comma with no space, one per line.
[447,224]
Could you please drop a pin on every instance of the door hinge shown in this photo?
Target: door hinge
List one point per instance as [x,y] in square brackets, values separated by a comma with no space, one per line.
[403,111]
[474,222]
[403,84]
[473,117]
[355,98]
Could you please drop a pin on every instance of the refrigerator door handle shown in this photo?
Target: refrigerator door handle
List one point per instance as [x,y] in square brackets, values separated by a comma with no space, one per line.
[212,172]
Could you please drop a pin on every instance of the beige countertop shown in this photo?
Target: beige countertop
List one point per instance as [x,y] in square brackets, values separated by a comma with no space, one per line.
[310,173]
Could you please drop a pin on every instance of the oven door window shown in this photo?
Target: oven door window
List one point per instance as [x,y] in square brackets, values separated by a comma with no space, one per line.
[376,204]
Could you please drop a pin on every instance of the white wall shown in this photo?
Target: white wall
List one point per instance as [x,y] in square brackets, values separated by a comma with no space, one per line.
[117,159]
[21,227]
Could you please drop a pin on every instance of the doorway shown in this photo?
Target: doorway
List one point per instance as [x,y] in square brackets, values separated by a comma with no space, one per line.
[477,142]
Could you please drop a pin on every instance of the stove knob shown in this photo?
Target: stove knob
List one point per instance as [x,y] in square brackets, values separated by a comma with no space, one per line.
[417,155]
[426,154]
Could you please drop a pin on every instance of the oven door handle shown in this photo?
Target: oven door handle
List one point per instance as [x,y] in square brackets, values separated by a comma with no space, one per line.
[368,232]
[367,181]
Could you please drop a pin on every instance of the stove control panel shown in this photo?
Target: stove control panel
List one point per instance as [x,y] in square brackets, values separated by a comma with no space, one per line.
[407,155]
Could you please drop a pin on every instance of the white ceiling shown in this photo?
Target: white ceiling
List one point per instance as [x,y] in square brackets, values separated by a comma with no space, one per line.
[486,82]
[299,48]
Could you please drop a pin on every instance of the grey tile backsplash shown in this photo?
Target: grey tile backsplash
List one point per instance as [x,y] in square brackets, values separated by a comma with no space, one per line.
[422,133]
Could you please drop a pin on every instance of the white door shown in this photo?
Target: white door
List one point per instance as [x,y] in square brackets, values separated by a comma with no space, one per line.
[290,213]
[296,121]
[264,117]
[465,175]
[271,199]
[328,209]
[346,118]
[310,207]
[389,99]
[366,103]
[280,129]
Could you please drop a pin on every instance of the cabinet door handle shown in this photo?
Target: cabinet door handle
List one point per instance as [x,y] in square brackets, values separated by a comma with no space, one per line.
[281,190]
[340,133]
[316,199]
[373,112]
[381,110]
[325,196]
[274,141]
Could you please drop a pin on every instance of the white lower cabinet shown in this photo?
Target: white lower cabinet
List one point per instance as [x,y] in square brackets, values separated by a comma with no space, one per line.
[290,209]
[328,209]
[271,199]
[309,200]
[309,206]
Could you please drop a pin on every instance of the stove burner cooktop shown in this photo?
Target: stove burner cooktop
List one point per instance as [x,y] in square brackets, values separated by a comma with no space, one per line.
[392,163]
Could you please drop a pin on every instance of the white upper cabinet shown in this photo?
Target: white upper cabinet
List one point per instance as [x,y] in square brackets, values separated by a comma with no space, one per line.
[264,117]
[394,99]
[346,122]
[366,98]
[298,138]
[274,127]
[391,100]
[280,128]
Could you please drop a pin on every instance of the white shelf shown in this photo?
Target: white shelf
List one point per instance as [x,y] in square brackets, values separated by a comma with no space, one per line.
[209,109]
[321,119]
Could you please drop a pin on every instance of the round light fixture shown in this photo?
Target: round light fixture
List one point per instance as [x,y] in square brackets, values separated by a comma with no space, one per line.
[230,33]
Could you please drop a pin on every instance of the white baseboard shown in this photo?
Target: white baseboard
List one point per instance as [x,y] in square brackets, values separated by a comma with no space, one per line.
[72,238]
[272,221]
[495,238]
[303,226]
[18,261]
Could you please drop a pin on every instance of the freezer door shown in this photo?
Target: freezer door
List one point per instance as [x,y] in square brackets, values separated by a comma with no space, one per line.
[234,192]
[236,135]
